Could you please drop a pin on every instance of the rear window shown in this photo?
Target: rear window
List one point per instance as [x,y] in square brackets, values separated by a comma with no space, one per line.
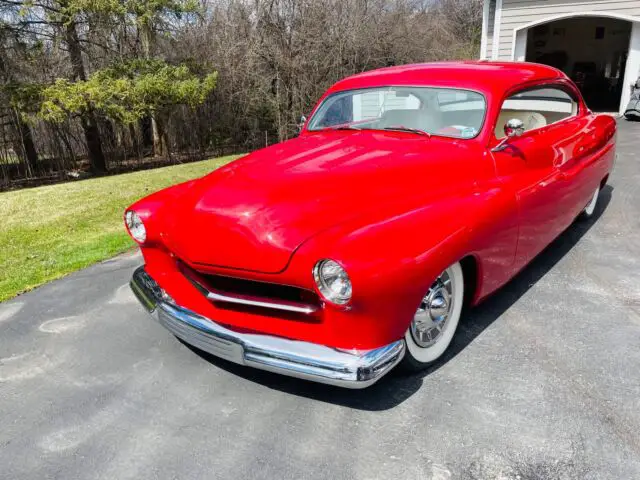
[542,100]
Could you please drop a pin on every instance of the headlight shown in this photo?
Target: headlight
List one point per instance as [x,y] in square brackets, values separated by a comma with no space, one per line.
[135,226]
[332,281]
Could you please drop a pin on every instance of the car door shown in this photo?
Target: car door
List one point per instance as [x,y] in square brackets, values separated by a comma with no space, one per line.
[531,165]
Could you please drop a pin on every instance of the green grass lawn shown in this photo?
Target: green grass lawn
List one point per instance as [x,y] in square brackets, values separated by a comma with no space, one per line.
[50,231]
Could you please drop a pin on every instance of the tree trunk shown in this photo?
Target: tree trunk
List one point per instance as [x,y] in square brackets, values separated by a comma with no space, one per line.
[27,149]
[159,142]
[156,129]
[94,143]
[134,140]
[88,119]
[160,136]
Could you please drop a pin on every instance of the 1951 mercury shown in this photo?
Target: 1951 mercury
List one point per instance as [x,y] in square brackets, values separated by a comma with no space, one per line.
[411,192]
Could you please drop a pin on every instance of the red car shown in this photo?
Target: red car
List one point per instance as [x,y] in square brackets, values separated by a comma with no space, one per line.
[411,192]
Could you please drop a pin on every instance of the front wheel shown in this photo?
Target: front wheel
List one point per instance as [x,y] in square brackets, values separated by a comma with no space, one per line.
[436,320]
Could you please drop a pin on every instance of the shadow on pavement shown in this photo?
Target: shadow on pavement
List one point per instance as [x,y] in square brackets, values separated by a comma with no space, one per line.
[398,386]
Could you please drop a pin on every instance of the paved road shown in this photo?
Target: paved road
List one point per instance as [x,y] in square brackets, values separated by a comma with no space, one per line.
[543,382]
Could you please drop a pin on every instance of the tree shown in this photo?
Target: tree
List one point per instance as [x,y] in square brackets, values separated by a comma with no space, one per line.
[58,20]
[116,72]
[127,92]
[148,17]
[88,118]
[23,144]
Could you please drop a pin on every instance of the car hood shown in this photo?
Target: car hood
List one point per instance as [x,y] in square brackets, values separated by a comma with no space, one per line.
[255,212]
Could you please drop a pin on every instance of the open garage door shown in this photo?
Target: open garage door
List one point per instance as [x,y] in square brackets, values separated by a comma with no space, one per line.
[600,51]
[592,51]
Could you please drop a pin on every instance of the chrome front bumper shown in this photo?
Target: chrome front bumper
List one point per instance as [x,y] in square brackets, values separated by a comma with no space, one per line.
[351,369]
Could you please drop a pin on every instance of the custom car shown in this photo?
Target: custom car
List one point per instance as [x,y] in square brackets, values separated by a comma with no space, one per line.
[410,194]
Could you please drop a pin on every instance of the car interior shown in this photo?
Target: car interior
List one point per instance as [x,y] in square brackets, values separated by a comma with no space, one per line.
[447,112]
[529,119]
[428,120]
[536,108]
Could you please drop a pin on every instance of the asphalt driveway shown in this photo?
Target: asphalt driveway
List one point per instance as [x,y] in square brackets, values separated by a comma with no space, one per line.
[542,382]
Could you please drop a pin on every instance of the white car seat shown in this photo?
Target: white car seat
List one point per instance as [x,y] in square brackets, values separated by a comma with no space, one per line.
[427,120]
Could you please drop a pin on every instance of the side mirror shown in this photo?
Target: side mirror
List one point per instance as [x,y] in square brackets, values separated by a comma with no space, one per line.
[303,120]
[513,128]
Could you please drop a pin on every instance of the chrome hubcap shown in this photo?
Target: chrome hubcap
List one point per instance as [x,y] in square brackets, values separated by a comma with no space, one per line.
[431,317]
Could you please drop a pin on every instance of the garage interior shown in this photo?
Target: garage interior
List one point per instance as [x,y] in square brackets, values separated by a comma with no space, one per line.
[592,51]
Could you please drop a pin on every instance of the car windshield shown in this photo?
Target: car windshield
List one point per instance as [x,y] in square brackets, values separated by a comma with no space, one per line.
[436,111]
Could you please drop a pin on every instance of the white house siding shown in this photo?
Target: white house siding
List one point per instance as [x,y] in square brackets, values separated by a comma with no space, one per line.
[516,13]
[369,104]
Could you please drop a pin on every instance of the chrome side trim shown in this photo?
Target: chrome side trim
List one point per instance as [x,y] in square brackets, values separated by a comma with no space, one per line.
[351,369]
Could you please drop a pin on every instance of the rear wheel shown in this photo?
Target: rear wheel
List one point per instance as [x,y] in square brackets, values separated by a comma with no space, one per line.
[436,320]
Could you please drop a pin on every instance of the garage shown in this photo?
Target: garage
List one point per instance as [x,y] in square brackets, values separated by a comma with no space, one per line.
[596,43]
[592,51]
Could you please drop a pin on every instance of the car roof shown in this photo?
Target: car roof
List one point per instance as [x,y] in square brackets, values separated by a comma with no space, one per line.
[483,76]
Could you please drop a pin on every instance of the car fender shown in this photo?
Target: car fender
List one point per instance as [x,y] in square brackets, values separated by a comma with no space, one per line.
[152,210]
[393,259]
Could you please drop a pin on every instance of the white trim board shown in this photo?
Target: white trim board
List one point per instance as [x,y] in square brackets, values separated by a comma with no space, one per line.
[496,30]
[485,30]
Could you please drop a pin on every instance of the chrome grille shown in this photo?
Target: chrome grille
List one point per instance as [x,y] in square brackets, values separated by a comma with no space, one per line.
[233,292]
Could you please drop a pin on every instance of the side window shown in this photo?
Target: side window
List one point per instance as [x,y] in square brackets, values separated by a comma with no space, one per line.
[536,108]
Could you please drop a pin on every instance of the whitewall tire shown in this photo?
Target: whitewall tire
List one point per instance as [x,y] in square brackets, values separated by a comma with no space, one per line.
[436,320]
[591,206]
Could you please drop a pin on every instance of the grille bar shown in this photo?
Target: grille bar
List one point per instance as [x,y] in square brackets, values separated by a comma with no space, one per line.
[255,302]
[248,300]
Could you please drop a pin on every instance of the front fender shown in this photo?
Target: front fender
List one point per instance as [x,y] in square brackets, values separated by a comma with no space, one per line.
[151,210]
[392,259]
